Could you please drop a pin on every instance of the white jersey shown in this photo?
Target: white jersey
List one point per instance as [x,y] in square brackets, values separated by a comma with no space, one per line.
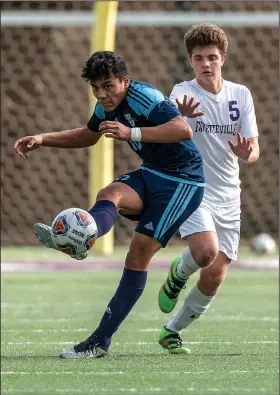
[226,113]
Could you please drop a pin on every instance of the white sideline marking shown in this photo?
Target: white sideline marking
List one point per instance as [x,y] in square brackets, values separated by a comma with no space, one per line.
[48,330]
[13,305]
[79,390]
[224,318]
[38,303]
[28,343]
[65,372]
[150,343]
[236,318]
[27,320]
[136,373]
[143,390]
[215,318]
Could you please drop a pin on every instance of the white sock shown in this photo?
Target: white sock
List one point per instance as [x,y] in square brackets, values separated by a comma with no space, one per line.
[195,304]
[187,265]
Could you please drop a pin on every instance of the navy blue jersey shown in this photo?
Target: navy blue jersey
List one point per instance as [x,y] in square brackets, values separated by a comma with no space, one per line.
[144,105]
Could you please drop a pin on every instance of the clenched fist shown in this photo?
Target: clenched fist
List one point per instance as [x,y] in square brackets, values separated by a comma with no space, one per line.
[115,130]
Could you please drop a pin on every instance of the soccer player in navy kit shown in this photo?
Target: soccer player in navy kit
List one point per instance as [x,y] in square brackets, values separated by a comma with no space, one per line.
[160,195]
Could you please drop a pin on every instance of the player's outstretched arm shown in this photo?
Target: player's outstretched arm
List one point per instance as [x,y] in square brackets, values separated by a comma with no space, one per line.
[73,138]
[172,131]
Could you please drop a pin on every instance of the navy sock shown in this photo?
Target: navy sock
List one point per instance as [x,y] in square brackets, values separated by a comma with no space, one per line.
[130,289]
[104,213]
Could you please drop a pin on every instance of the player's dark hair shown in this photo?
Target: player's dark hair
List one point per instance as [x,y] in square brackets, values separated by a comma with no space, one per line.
[103,65]
[205,34]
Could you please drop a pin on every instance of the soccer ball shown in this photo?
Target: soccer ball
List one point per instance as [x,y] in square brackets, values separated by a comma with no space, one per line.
[74,231]
[263,243]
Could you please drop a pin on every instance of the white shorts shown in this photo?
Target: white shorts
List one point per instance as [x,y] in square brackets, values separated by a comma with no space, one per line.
[224,221]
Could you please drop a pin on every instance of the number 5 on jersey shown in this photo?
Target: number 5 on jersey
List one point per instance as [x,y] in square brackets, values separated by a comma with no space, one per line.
[234,112]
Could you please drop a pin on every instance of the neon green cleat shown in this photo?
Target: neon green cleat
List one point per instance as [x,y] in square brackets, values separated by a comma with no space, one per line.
[172,342]
[169,292]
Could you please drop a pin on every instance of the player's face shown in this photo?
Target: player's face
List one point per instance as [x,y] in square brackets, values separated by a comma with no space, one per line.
[207,62]
[110,92]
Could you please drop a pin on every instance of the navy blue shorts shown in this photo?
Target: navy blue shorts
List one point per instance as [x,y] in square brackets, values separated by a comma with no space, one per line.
[167,202]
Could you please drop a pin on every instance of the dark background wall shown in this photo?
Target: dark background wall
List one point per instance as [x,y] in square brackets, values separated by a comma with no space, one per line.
[42,91]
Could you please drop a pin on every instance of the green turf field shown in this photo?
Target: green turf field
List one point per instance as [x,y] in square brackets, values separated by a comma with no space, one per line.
[234,346]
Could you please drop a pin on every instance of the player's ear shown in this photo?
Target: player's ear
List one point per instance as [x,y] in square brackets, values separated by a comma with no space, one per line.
[223,60]
[126,81]
[191,62]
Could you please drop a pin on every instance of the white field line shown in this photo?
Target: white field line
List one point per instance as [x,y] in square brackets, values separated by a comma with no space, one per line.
[63,330]
[136,373]
[79,391]
[215,318]
[142,391]
[26,343]
[125,390]
[47,331]
[42,319]
[70,372]
[228,318]
[15,305]
[36,303]
[92,391]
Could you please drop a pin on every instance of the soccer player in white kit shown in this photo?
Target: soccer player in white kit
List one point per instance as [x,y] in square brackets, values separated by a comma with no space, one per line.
[222,116]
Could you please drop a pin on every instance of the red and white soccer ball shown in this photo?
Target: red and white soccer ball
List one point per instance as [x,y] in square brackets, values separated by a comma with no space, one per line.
[74,231]
[263,243]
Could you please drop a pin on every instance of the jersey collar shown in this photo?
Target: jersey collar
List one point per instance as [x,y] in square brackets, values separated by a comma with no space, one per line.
[212,96]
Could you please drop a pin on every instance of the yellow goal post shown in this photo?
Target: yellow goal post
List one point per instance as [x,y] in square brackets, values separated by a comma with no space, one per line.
[101,156]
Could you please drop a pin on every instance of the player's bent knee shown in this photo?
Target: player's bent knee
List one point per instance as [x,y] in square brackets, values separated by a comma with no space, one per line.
[205,257]
[107,194]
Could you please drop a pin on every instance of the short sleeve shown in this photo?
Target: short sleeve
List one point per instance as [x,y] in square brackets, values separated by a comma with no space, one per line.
[249,126]
[97,117]
[163,112]
[178,92]
[152,104]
